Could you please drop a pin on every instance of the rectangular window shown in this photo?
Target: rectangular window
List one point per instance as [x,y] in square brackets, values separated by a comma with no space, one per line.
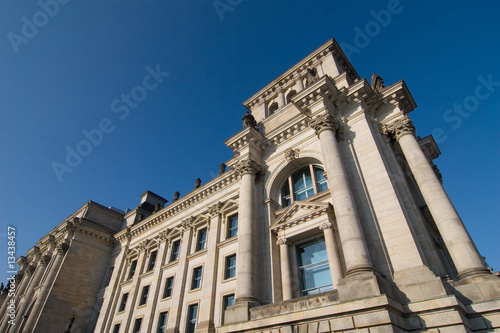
[144,295]
[202,239]
[196,283]
[152,260]
[192,317]
[169,284]
[162,322]
[228,301]
[230,267]
[131,272]
[174,255]
[314,268]
[108,280]
[123,302]
[232,226]
[137,325]
[116,328]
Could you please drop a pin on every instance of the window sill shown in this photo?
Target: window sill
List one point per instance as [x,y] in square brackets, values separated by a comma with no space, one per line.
[197,254]
[231,279]
[146,274]
[227,241]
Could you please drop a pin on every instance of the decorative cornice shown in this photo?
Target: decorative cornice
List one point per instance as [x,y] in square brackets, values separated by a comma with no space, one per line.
[291,154]
[287,220]
[399,128]
[323,122]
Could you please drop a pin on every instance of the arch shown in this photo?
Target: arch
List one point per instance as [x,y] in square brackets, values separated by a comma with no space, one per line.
[273,107]
[290,95]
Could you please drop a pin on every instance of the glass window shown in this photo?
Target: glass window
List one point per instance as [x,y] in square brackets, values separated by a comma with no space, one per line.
[192,316]
[123,302]
[302,185]
[230,266]
[144,295]
[137,325]
[116,329]
[131,272]
[174,255]
[202,239]
[228,301]
[169,284]
[232,226]
[314,269]
[162,322]
[196,283]
[152,260]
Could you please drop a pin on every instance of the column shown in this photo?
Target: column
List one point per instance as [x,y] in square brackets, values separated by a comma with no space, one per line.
[462,250]
[332,252]
[286,281]
[44,291]
[300,84]
[247,170]
[281,98]
[351,235]
[24,278]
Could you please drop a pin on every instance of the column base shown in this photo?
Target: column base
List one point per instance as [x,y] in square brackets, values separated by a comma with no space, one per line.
[418,284]
[479,289]
[205,327]
[363,284]
[239,312]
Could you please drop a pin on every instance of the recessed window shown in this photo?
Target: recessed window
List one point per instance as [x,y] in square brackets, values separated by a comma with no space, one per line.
[202,239]
[116,328]
[137,325]
[196,282]
[131,272]
[228,301]
[162,322]
[144,295]
[152,260]
[174,255]
[303,184]
[230,266]
[232,226]
[314,268]
[273,107]
[192,317]
[123,302]
[169,284]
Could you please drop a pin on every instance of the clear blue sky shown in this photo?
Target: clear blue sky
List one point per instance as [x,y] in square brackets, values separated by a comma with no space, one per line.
[63,78]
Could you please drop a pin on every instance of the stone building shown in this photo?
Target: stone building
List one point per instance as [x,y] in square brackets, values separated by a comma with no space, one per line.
[331,218]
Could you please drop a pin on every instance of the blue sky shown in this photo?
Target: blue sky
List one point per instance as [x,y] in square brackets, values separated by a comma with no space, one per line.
[60,78]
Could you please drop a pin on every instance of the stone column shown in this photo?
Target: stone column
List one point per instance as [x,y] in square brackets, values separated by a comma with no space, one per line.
[46,287]
[300,85]
[281,99]
[286,281]
[135,285]
[464,253]
[351,235]
[332,252]
[26,276]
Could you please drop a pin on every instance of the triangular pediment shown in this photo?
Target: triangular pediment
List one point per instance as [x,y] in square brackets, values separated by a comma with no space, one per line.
[299,212]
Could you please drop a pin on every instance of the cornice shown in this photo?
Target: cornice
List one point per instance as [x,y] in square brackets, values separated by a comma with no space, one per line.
[244,138]
[400,95]
[290,76]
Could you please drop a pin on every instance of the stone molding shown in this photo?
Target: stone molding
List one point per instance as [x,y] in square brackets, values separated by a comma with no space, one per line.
[399,128]
[324,122]
[215,209]
[44,260]
[325,225]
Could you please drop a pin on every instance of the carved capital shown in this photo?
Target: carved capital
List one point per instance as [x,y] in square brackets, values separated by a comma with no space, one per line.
[44,260]
[62,248]
[291,154]
[247,166]
[19,277]
[323,122]
[188,223]
[325,225]
[143,246]
[163,235]
[282,241]
[399,128]
[30,269]
[215,210]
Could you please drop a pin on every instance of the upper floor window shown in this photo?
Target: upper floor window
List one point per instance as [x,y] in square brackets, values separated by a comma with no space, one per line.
[232,226]
[196,281]
[192,318]
[137,325]
[174,255]
[131,272]
[303,184]
[202,239]
[152,260]
[230,267]
[162,322]
[116,329]
[123,302]
[169,284]
[144,295]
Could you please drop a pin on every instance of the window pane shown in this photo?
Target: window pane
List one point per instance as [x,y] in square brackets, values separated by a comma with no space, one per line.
[192,316]
[144,295]
[196,278]
[202,239]
[302,184]
[168,287]
[152,260]
[123,302]
[228,301]
[232,226]
[175,250]
[137,325]
[320,179]
[162,322]
[116,329]
[133,266]
[285,195]
[314,268]
[230,267]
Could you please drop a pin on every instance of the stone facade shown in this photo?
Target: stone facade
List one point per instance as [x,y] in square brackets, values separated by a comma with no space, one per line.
[331,218]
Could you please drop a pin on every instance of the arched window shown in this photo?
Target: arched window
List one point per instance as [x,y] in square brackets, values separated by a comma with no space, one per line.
[273,107]
[290,95]
[303,184]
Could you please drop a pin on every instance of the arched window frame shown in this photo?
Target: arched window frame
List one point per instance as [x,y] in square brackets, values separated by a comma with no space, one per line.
[318,185]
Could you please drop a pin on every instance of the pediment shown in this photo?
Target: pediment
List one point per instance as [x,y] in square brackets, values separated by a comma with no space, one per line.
[300,212]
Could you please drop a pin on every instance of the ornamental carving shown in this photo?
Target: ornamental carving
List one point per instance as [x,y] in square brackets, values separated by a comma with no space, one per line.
[325,225]
[282,241]
[291,154]
[215,210]
[187,223]
[324,122]
[30,269]
[399,127]
[163,235]
[62,248]
[44,260]
[143,246]
[249,120]
[247,166]
[377,83]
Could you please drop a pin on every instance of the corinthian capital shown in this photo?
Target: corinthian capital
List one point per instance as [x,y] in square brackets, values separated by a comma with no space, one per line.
[282,241]
[62,248]
[247,166]
[215,210]
[323,122]
[400,127]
